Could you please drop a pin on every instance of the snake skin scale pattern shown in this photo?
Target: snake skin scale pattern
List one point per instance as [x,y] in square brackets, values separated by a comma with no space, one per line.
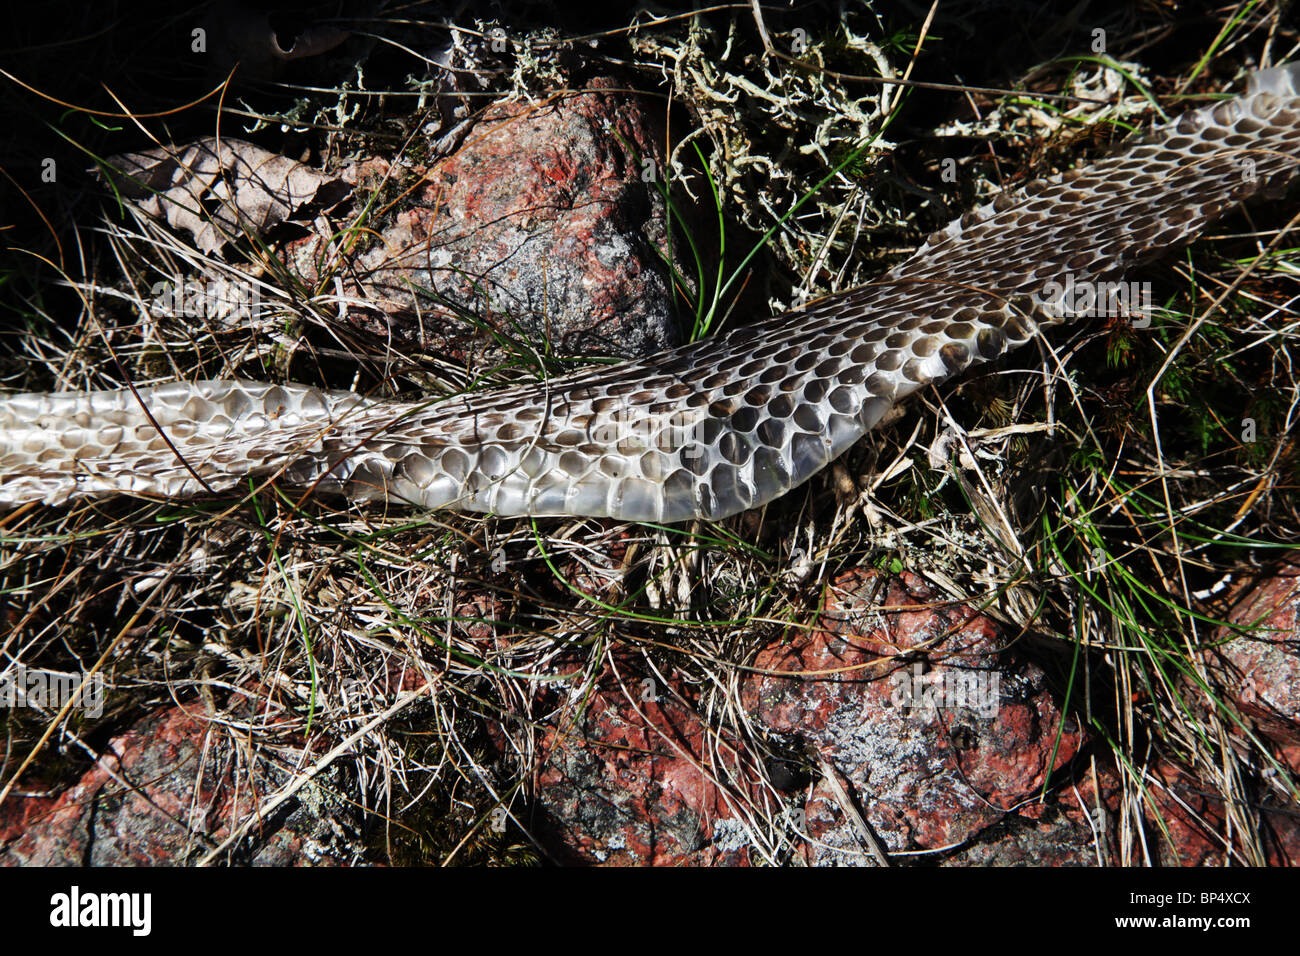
[706,430]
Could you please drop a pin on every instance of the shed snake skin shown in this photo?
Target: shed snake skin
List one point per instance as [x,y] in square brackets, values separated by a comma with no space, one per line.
[705,430]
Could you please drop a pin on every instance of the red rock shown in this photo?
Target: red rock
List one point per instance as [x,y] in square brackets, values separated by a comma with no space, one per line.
[1260,668]
[636,782]
[1182,820]
[1187,825]
[924,777]
[165,792]
[540,226]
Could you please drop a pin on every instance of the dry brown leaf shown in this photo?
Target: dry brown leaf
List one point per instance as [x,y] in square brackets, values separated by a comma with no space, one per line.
[217,192]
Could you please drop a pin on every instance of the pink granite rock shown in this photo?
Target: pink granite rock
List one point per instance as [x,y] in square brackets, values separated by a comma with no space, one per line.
[544,228]
[939,729]
[167,791]
[1259,667]
[636,781]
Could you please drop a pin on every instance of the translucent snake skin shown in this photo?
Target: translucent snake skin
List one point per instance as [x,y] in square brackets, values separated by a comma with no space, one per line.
[706,430]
